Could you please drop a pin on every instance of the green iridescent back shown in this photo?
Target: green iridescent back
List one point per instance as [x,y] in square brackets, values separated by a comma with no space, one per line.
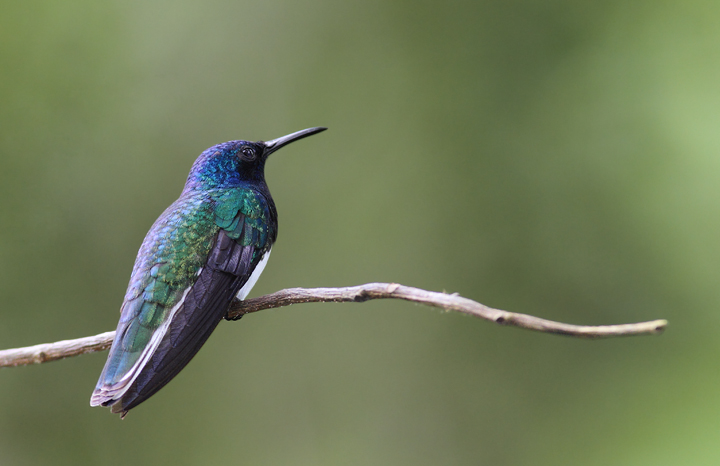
[171,257]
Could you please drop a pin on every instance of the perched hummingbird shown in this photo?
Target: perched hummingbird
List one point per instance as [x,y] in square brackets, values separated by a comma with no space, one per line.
[209,247]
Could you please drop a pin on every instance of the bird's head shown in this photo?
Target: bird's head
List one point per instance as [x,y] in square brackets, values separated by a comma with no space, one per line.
[235,163]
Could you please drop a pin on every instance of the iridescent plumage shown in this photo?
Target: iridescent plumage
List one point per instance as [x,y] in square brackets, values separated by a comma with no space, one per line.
[198,256]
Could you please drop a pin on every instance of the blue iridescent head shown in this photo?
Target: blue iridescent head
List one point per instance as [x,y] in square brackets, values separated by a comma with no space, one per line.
[237,163]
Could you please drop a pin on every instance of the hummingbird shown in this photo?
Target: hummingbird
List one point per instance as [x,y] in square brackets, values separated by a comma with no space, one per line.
[208,248]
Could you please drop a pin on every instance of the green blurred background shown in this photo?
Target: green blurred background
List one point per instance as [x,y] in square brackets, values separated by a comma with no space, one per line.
[558,158]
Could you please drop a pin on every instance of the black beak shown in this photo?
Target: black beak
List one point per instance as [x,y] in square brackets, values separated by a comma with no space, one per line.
[275,144]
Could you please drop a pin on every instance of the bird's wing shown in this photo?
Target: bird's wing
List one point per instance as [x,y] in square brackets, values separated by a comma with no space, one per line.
[147,358]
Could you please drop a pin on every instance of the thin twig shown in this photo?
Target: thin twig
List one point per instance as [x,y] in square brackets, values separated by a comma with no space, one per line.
[450,302]
[47,352]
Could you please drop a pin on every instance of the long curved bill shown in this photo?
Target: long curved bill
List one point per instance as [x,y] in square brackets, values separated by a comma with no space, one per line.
[275,144]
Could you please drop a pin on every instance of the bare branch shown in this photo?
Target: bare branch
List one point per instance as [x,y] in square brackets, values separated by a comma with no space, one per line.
[47,352]
[357,294]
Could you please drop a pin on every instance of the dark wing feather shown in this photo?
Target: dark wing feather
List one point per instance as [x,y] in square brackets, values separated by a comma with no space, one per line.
[228,268]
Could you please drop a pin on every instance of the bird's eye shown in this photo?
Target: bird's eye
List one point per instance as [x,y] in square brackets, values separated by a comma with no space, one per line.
[247,154]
